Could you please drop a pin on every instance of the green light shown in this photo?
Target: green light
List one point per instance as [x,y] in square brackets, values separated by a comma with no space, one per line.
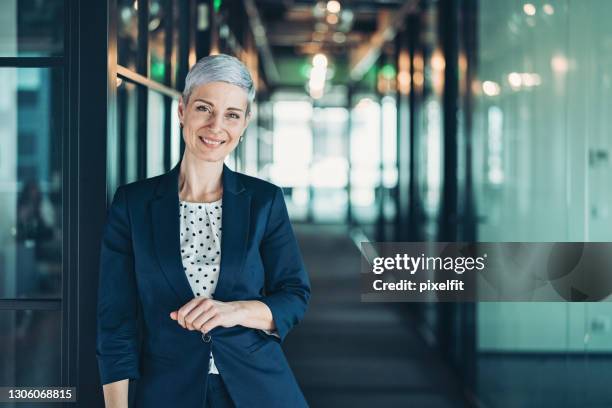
[157,71]
[387,71]
[217,5]
[305,70]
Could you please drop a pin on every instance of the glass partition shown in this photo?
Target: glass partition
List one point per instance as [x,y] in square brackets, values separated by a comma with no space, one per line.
[155,134]
[31,183]
[31,339]
[542,151]
[31,28]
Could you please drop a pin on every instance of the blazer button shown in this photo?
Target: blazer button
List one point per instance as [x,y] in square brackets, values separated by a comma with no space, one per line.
[206,338]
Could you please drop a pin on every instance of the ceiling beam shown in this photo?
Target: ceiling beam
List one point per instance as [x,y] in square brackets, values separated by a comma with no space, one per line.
[365,56]
[261,42]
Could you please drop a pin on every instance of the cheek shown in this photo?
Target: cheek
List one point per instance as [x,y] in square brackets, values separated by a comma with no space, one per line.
[196,118]
[235,129]
[195,122]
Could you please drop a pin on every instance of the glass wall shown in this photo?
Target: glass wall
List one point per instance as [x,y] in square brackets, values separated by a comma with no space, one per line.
[533,153]
[31,28]
[32,109]
[542,163]
[123,143]
[31,339]
[155,133]
[30,175]
[147,141]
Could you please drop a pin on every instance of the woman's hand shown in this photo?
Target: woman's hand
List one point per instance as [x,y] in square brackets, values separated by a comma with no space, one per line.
[204,314]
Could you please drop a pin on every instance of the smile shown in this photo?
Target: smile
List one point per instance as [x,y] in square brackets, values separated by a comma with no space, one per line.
[210,142]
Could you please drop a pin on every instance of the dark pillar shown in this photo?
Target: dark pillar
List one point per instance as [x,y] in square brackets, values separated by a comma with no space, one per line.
[168,69]
[206,32]
[380,189]
[186,18]
[91,60]
[469,223]
[142,67]
[416,220]
[349,129]
[448,219]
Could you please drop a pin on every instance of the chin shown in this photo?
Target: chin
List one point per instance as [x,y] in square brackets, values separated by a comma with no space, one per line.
[210,157]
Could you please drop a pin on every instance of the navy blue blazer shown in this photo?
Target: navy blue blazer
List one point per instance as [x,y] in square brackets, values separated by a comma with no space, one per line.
[142,280]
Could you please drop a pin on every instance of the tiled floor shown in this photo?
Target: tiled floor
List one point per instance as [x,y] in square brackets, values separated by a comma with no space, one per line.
[352,354]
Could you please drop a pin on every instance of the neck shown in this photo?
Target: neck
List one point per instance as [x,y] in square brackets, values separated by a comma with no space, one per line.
[200,181]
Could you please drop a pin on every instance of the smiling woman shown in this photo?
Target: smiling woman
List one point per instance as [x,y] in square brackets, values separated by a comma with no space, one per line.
[213,118]
[163,250]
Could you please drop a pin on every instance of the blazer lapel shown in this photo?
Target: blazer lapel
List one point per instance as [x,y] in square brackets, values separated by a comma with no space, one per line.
[234,233]
[166,234]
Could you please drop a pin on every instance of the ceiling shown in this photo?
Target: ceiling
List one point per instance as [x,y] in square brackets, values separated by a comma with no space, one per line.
[300,27]
[296,30]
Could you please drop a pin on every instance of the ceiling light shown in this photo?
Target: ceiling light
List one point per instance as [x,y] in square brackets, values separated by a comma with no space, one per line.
[319,60]
[332,18]
[490,88]
[529,9]
[515,80]
[333,6]
[548,9]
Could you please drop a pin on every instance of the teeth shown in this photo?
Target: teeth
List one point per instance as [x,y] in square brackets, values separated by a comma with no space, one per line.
[212,142]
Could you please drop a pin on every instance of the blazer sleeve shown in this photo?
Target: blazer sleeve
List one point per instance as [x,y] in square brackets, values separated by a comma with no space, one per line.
[117,345]
[287,284]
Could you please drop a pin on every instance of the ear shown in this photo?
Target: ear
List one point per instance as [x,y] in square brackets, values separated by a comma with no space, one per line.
[247,119]
[181,109]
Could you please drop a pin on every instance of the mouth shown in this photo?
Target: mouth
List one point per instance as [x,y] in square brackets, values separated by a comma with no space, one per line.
[210,142]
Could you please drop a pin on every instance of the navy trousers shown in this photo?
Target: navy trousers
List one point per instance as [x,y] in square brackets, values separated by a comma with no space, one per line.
[217,395]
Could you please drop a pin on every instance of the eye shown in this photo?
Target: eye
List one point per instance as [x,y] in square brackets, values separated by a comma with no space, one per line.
[202,108]
[234,116]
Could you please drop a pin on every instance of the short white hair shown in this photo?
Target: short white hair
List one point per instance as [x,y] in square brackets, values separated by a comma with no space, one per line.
[223,68]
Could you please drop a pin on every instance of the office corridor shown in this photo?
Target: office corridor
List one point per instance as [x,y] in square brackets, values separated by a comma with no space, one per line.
[348,353]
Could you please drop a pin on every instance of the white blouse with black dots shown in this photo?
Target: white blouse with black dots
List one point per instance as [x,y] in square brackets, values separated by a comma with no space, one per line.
[201,249]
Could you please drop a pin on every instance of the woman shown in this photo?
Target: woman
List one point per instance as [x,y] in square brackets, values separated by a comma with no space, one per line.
[201,277]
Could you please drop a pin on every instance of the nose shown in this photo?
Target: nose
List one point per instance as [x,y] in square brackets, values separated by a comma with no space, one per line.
[215,122]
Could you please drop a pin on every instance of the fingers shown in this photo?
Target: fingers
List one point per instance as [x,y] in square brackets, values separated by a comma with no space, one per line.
[204,318]
[202,314]
[187,308]
[196,312]
[215,321]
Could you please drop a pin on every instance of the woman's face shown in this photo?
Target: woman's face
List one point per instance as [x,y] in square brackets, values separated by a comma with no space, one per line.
[213,120]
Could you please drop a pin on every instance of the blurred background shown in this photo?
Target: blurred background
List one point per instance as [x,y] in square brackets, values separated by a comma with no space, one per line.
[383,120]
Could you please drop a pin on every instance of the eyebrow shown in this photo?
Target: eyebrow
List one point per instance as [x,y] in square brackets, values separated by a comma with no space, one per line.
[210,103]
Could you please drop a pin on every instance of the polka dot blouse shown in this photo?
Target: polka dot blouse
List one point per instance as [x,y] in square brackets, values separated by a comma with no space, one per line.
[201,249]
